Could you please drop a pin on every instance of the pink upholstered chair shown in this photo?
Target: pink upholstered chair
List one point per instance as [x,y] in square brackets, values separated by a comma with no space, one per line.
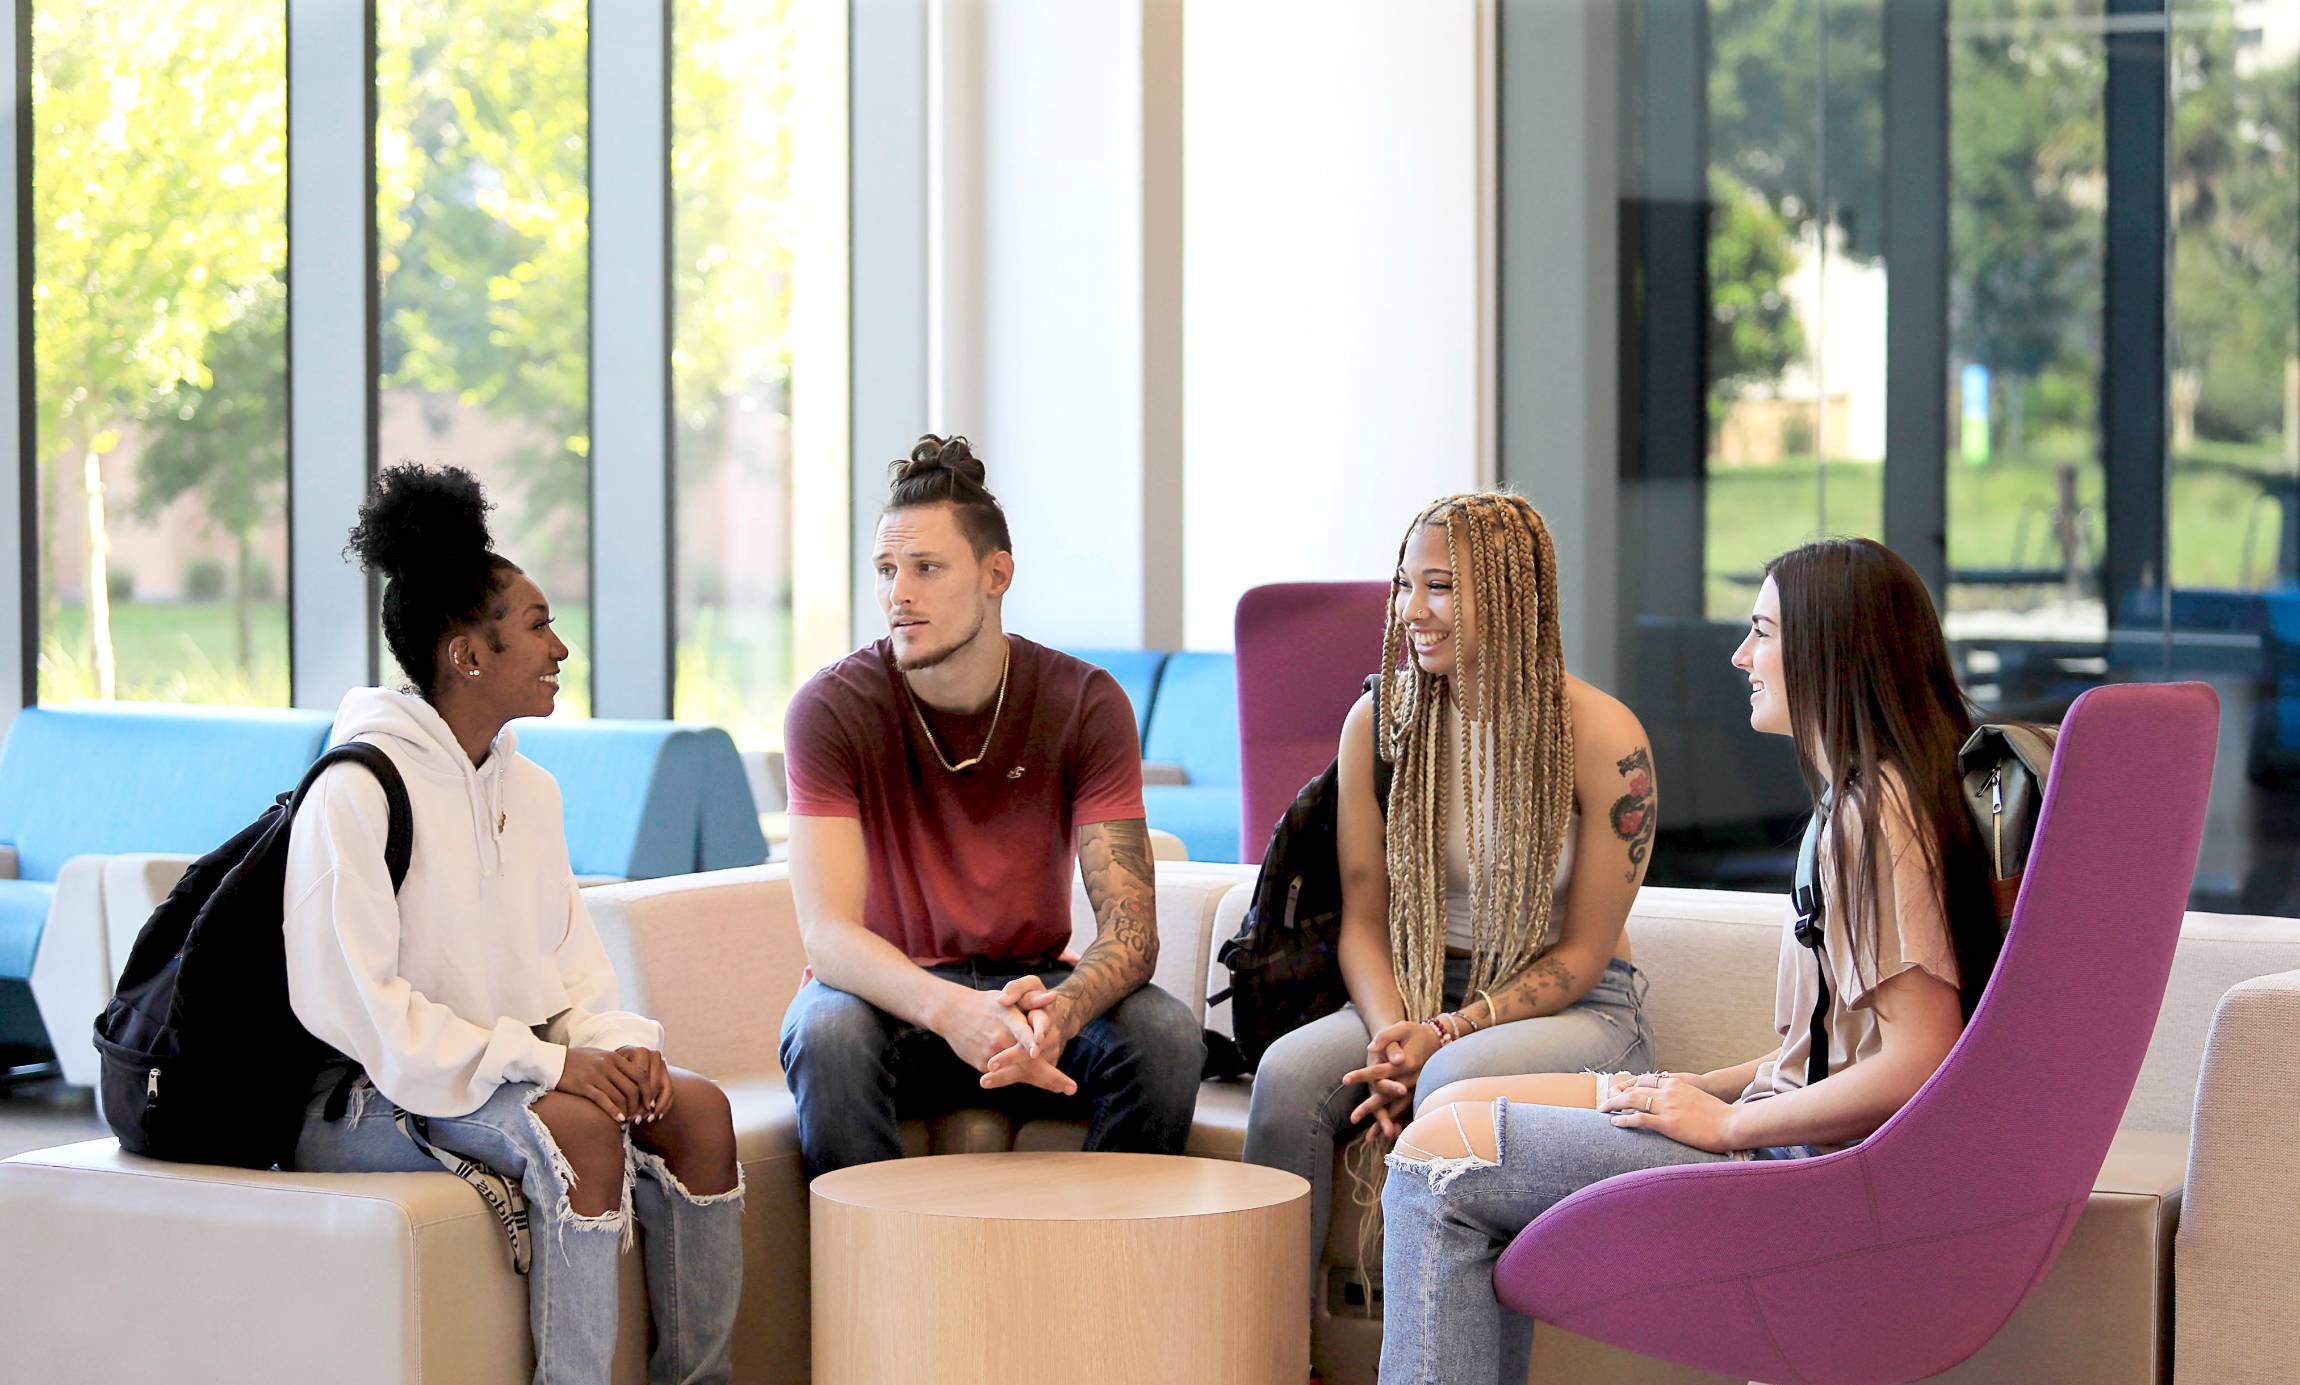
[1304,649]
[1902,1256]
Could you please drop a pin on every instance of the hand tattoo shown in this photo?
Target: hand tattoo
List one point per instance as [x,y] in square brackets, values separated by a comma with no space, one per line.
[1632,813]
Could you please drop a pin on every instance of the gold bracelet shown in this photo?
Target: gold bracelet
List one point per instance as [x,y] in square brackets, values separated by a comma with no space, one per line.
[1492,1015]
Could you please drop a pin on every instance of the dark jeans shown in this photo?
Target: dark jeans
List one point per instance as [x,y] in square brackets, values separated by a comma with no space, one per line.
[857,1071]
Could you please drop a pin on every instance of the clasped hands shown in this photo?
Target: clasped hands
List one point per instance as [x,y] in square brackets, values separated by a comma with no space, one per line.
[1394,1059]
[1013,1034]
[632,1083]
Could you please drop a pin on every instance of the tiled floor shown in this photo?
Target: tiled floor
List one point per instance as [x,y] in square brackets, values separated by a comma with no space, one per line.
[39,1114]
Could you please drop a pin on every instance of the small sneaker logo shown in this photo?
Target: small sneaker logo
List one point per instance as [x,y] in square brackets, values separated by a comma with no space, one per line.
[1015,773]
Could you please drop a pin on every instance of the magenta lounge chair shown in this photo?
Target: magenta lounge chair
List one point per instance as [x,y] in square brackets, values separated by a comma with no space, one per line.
[1304,650]
[1900,1257]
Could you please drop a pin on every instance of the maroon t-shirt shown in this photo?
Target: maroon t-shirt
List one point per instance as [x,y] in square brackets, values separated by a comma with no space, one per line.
[977,863]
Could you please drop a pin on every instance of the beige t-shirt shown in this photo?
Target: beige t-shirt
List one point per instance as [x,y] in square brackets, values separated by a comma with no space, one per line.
[1911,932]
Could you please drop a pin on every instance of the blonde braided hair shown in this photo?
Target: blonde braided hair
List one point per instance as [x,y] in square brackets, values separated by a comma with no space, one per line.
[1521,764]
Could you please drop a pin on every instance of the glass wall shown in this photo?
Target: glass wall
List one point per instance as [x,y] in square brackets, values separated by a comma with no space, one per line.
[482,229]
[1795,363]
[2026,259]
[2231,208]
[159,249]
[733,143]
[2106,405]
[159,211]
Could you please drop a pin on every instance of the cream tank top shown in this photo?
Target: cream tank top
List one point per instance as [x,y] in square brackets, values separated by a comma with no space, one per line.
[1458,933]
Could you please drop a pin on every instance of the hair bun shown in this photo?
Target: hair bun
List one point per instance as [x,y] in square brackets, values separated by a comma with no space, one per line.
[931,454]
[417,519]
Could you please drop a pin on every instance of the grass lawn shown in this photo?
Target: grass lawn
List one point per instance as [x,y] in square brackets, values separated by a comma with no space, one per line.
[171,651]
[733,667]
[2224,529]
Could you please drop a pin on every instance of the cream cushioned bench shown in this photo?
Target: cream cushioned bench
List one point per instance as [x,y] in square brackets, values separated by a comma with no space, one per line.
[117,1268]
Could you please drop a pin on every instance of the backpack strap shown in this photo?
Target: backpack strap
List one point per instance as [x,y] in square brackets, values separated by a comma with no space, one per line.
[1383,769]
[503,1196]
[1805,897]
[399,835]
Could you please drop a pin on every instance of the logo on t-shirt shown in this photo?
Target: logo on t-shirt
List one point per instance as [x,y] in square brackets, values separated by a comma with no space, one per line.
[1014,773]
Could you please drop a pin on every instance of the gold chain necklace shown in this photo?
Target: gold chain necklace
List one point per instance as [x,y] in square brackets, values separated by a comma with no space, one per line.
[1004,667]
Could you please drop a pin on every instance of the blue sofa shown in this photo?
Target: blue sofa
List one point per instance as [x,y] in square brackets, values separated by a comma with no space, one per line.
[1186,712]
[647,798]
[1137,673]
[78,784]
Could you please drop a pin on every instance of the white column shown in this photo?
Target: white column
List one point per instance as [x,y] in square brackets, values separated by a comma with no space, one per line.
[631,359]
[887,271]
[822,414]
[1054,291]
[332,351]
[1336,229]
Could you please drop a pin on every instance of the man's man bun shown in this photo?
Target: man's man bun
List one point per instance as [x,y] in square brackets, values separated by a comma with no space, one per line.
[931,454]
[945,471]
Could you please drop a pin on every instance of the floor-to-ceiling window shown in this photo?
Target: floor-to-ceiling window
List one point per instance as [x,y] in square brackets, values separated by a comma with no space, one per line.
[482,216]
[2009,283]
[159,250]
[1794,362]
[758,352]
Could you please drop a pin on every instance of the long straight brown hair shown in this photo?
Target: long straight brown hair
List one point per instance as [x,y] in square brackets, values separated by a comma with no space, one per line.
[1871,689]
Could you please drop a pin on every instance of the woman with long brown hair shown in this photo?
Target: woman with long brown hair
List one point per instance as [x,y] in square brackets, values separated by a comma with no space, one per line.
[1482,905]
[1846,658]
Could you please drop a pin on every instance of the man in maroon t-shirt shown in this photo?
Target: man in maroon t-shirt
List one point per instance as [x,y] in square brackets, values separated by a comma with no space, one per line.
[943,782]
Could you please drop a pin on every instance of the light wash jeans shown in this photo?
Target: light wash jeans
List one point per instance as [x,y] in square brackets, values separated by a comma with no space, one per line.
[1300,1107]
[1448,1221]
[693,1246]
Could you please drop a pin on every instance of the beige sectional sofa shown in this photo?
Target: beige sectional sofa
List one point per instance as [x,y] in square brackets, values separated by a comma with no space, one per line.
[401,1278]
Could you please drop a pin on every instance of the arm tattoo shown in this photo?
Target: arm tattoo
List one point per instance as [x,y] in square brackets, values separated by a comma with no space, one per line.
[1544,988]
[1114,859]
[1632,813]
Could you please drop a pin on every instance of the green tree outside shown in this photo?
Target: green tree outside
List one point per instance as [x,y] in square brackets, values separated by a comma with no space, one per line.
[159,196]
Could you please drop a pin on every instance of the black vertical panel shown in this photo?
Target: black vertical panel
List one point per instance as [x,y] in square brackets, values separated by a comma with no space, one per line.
[1916,237]
[2132,364]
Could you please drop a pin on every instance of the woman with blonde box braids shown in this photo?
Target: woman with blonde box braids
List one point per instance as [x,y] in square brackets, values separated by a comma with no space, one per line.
[1482,914]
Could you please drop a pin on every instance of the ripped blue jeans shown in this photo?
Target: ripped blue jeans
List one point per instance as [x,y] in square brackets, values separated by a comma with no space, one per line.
[1448,1215]
[693,1246]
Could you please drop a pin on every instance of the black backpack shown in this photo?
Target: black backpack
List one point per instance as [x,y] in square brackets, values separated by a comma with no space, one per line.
[1285,961]
[204,1062]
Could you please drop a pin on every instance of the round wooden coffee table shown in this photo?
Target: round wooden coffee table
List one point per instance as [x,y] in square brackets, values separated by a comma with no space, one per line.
[1001,1269]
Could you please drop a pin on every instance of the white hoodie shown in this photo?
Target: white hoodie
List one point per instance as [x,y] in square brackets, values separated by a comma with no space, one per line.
[436,992]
